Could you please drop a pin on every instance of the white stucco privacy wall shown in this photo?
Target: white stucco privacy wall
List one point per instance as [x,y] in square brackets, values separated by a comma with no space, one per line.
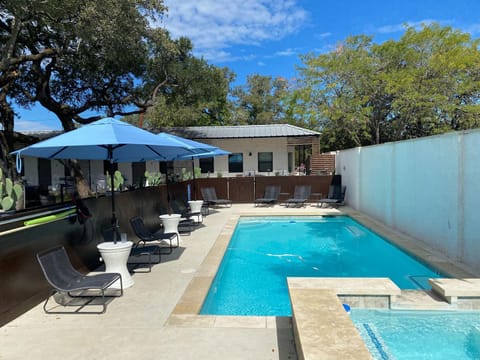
[428,188]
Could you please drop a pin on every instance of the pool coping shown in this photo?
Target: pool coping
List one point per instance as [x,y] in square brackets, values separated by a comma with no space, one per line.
[186,311]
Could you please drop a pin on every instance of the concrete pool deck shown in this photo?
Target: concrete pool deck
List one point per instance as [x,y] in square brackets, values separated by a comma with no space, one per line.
[157,317]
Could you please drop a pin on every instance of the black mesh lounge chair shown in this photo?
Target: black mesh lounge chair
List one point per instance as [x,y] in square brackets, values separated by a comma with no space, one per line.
[335,197]
[179,207]
[63,277]
[270,197]
[186,224]
[300,196]
[210,196]
[139,255]
[145,235]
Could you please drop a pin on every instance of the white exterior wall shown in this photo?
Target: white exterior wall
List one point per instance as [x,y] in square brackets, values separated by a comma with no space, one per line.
[250,163]
[93,170]
[57,172]
[30,165]
[152,166]
[428,188]
[96,169]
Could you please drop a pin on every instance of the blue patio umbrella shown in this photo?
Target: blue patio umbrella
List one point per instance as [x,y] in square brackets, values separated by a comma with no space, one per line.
[107,139]
[195,146]
[199,149]
[212,153]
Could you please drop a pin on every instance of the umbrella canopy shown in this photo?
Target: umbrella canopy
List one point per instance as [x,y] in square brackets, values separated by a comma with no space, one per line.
[212,153]
[107,139]
[198,150]
[194,146]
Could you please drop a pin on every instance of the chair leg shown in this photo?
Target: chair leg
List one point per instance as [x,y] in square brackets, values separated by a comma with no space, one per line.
[77,311]
[46,301]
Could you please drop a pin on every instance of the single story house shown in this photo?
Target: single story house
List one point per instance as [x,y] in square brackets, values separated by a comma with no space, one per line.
[256,149]
[280,149]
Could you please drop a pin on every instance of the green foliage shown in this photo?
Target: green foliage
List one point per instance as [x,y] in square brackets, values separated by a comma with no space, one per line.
[197,172]
[153,179]
[9,193]
[260,101]
[185,174]
[118,180]
[363,93]
[196,93]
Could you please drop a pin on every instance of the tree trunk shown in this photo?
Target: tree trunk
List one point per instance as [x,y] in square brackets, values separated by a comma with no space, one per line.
[7,137]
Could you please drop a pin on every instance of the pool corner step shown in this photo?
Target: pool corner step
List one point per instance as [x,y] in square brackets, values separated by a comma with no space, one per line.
[322,328]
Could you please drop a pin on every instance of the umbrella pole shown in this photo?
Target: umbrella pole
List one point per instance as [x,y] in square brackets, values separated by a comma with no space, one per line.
[114,216]
[169,209]
[193,172]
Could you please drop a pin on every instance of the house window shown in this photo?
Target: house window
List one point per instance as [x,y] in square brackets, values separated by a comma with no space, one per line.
[235,163]
[206,165]
[265,161]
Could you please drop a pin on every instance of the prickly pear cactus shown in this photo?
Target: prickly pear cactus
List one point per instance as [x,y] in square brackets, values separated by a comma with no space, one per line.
[153,179]
[9,193]
[118,180]
[7,203]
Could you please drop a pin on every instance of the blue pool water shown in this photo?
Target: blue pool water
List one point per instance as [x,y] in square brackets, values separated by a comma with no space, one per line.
[419,335]
[263,252]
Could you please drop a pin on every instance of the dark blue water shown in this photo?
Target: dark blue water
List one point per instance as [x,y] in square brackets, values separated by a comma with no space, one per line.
[263,252]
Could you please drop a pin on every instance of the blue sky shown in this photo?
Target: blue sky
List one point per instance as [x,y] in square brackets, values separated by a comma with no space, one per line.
[267,36]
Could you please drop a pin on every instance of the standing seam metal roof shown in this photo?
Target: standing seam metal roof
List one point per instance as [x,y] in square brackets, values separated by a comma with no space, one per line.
[241,131]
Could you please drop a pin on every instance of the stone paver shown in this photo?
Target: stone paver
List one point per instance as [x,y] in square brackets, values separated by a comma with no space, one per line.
[156,318]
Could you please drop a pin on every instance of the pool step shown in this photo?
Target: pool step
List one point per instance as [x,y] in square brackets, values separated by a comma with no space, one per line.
[322,328]
[453,289]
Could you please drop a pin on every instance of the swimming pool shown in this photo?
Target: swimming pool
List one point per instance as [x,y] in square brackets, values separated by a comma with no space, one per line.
[424,335]
[264,251]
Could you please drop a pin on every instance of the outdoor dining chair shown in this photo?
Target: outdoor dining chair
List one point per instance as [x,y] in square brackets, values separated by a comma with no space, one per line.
[64,278]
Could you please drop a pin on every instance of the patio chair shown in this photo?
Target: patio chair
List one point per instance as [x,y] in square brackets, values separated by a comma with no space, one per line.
[270,197]
[145,235]
[300,196]
[335,197]
[179,207]
[64,278]
[210,196]
[186,224]
[139,255]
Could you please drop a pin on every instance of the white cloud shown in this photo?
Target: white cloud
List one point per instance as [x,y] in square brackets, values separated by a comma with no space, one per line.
[215,25]
[473,29]
[286,52]
[394,28]
[323,35]
[27,125]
